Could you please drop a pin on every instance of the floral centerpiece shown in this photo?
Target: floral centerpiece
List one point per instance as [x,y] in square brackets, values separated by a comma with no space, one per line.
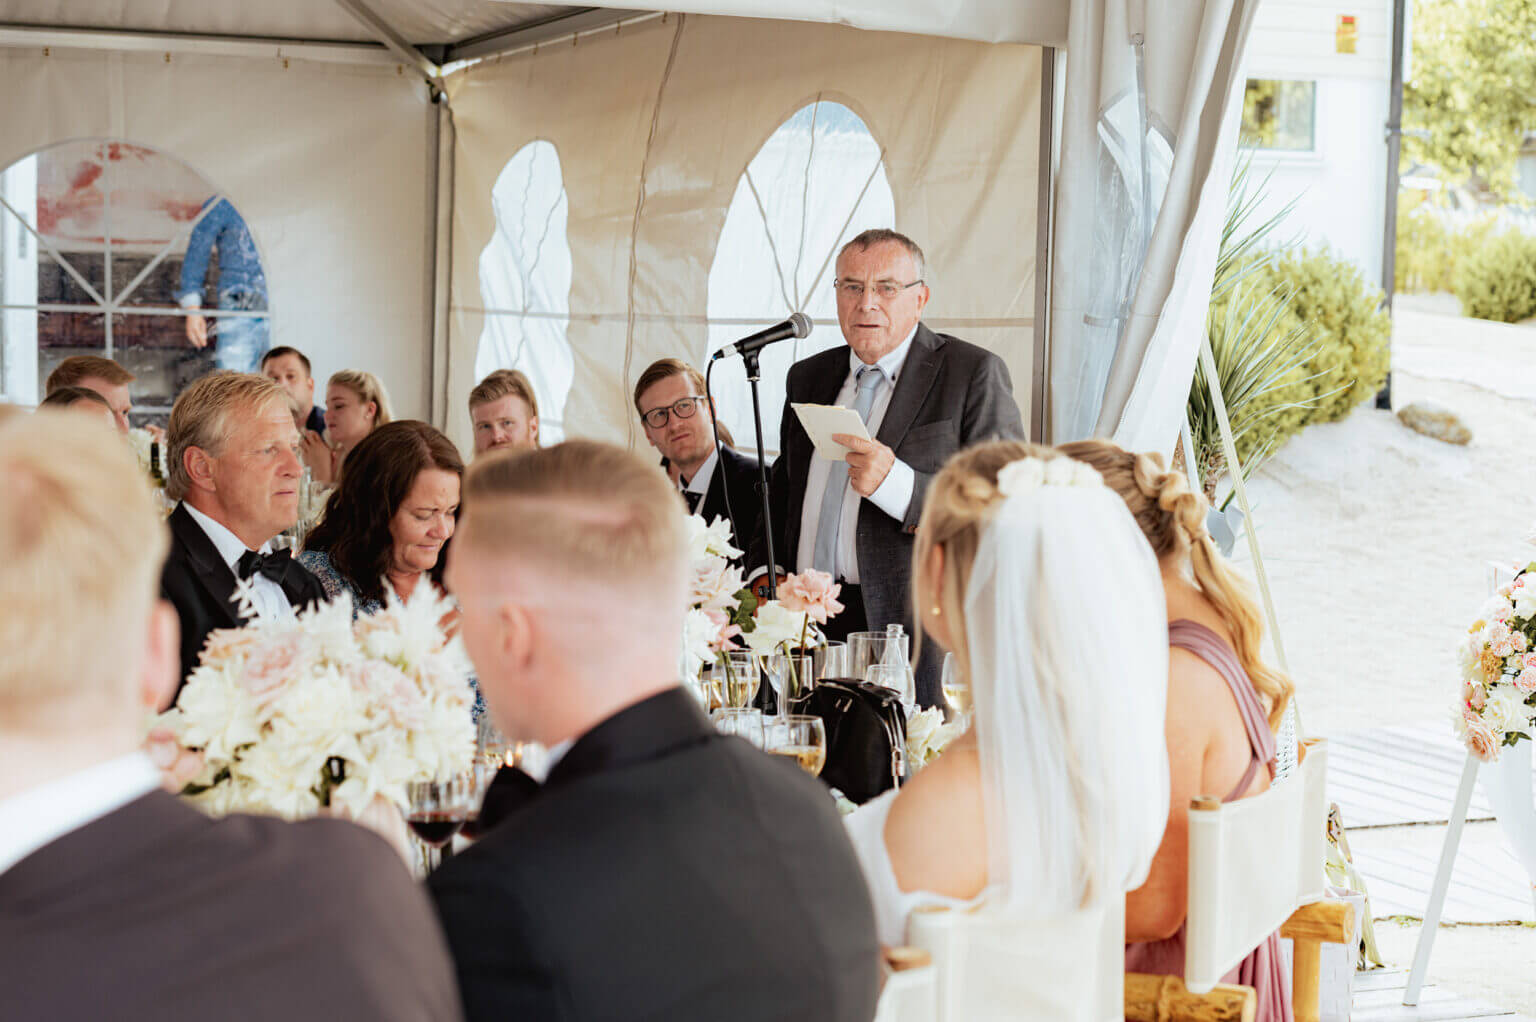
[286,717]
[150,451]
[928,736]
[1498,671]
[724,614]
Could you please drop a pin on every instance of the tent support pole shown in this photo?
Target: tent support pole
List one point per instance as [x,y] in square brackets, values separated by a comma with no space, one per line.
[443,144]
[1045,173]
[397,44]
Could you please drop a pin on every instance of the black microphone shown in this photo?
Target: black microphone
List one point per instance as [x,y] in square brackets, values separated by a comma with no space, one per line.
[798,325]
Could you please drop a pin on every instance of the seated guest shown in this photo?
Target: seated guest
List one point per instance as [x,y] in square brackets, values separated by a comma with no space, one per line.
[1224,704]
[1054,801]
[80,399]
[662,871]
[679,422]
[118,900]
[233,457]
[102,375]
[355,405]
[389,521]
[289,368]
[504,411]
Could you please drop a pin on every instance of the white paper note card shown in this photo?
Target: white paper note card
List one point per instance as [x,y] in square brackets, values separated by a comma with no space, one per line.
[821,421]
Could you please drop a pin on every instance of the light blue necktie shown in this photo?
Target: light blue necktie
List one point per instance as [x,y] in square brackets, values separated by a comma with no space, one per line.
[831,520]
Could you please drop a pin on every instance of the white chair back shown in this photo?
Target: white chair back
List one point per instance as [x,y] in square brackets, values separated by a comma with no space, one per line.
[1251,864]
[988,967]
[909,995]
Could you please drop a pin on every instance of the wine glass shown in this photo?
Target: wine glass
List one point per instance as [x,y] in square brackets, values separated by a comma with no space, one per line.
[792,675]
[438,809]
[743,723]
[890,676]
[742,677]
[491,746]
[801,738]
[956,688]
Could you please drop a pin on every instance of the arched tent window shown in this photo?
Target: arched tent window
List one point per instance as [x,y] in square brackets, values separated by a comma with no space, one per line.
[817,181]
[105,246]
[525,282]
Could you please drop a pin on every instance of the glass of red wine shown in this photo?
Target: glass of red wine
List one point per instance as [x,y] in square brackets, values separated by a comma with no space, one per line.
[438,810]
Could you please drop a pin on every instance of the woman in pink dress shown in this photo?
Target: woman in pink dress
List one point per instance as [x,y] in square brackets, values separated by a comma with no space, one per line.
[1224,705]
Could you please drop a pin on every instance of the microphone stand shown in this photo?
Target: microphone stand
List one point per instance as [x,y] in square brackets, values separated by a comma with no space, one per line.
[750,363]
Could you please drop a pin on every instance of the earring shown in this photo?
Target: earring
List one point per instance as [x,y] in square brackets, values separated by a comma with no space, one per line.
[938,611]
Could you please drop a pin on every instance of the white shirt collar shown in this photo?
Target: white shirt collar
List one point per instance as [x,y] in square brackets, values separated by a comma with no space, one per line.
[552,755]
[41,815]
[891,364]
[700,481]
[229,546]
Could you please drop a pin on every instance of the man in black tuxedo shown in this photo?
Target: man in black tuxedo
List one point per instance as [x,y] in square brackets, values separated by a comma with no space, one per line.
[923,396]
[234,459]
[117,900]
[662,870]
[679,422]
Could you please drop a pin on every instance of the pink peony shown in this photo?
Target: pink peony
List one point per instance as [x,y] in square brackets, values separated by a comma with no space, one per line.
[812,593]
[1474,695]
[272,666]
[1480,739]
[725,638]
[1525,681]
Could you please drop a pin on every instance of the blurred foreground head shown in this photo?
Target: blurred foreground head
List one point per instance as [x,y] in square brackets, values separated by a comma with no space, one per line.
[570,565]
[81,545]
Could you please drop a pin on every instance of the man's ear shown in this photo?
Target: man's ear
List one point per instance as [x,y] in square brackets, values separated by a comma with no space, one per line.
[533,430]
[161,670]
[515,639]
[199,467]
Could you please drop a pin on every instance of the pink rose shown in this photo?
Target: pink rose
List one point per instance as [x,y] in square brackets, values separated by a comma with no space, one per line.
[1480,738]
[1525,681]
[1528,662]
[725,637]
[813,593]
[178,766]
[1474,695]
[1521,642]
[272,666]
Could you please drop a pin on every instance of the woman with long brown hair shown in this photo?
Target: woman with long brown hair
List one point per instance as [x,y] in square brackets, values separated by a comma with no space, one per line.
[1224,705]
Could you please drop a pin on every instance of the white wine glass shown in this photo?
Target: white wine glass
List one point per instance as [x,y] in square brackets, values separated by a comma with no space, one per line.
[744,723]
[956,688]
[800,738]
[742,679]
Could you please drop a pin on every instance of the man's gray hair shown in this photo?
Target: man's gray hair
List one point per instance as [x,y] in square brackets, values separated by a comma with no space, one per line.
[881,235]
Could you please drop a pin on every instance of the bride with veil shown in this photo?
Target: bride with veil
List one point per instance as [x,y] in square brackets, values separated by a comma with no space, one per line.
[1036,577]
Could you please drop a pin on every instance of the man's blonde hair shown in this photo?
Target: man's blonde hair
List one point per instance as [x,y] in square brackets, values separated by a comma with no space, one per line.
[83,544]
[205,414]
[585,509]
[504,383]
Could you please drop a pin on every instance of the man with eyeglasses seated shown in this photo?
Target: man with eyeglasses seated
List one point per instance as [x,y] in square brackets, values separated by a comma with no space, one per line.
[679,422]
[923,396]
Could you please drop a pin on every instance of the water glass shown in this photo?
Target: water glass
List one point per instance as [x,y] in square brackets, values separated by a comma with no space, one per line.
[801,739]
[743,723]
[832,661]
[866,648]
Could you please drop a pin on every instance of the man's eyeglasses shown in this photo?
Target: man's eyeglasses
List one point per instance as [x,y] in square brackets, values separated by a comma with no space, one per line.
[884,288]
[684,409]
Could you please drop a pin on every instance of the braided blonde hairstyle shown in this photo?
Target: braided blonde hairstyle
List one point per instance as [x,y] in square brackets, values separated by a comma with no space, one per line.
[961,500]
[1172,517]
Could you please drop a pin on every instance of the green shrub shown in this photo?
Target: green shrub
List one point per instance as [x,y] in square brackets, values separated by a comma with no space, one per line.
[1328,302]
[1498,281]
[1428,250]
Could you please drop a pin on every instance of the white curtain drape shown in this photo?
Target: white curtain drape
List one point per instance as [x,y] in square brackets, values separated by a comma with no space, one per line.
[1147,137]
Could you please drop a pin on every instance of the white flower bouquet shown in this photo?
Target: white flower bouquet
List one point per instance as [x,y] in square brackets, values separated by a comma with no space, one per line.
[1498,671]
[286,717]
[928,736]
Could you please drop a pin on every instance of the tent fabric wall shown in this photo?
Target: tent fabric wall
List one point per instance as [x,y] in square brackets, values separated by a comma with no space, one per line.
[655,124]
[1126,373]
[328,164]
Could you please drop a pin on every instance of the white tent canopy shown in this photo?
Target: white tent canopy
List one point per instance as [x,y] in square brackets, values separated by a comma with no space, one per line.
[373,214]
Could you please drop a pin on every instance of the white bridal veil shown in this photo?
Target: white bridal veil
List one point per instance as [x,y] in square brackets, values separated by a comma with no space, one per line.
[1068,636]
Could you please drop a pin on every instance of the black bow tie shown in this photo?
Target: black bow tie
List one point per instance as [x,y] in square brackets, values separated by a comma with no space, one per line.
[273,565]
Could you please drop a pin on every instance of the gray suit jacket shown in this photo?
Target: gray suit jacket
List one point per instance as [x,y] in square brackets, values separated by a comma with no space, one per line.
[951,395]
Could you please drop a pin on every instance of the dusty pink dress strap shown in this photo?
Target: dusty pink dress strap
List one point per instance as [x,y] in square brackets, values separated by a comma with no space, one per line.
[1211,648]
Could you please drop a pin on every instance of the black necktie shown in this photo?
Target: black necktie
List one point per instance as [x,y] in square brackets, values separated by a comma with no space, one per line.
[273,565]
[694,499]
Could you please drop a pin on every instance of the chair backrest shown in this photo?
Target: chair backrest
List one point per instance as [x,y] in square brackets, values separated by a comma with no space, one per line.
[909,993]
[1251,864]
[988,966]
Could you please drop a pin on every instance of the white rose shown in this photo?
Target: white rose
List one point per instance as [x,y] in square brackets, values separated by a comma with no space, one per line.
[1506,710]
[698,630]
[776,626]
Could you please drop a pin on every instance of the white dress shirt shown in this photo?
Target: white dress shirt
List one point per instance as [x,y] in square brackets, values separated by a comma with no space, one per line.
[893,496]
[267,595]
[701,479]
[40,815]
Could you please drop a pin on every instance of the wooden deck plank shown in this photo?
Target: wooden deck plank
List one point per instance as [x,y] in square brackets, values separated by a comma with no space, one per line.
[1378,997]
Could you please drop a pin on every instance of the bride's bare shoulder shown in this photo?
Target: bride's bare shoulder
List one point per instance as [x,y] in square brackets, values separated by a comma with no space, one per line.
[936,831]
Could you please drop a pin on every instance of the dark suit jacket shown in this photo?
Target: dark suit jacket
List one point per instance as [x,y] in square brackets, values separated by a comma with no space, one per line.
[737,473]
[201,587]
[951,395]
[663,873]
[155,912]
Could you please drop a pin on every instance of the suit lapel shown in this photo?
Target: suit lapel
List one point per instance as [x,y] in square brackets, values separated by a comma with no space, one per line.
[207,566]
[917,376]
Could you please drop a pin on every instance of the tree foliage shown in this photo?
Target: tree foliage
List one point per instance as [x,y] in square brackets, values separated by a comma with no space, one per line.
[1472,98]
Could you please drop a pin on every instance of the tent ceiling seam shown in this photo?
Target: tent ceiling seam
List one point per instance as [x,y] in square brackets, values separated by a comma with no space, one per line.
[634,233]
[805,205]
[762,213]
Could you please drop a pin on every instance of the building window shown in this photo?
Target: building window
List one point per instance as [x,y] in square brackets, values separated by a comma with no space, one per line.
[1280,115]
[816,182]
[525,281]
[115,249]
